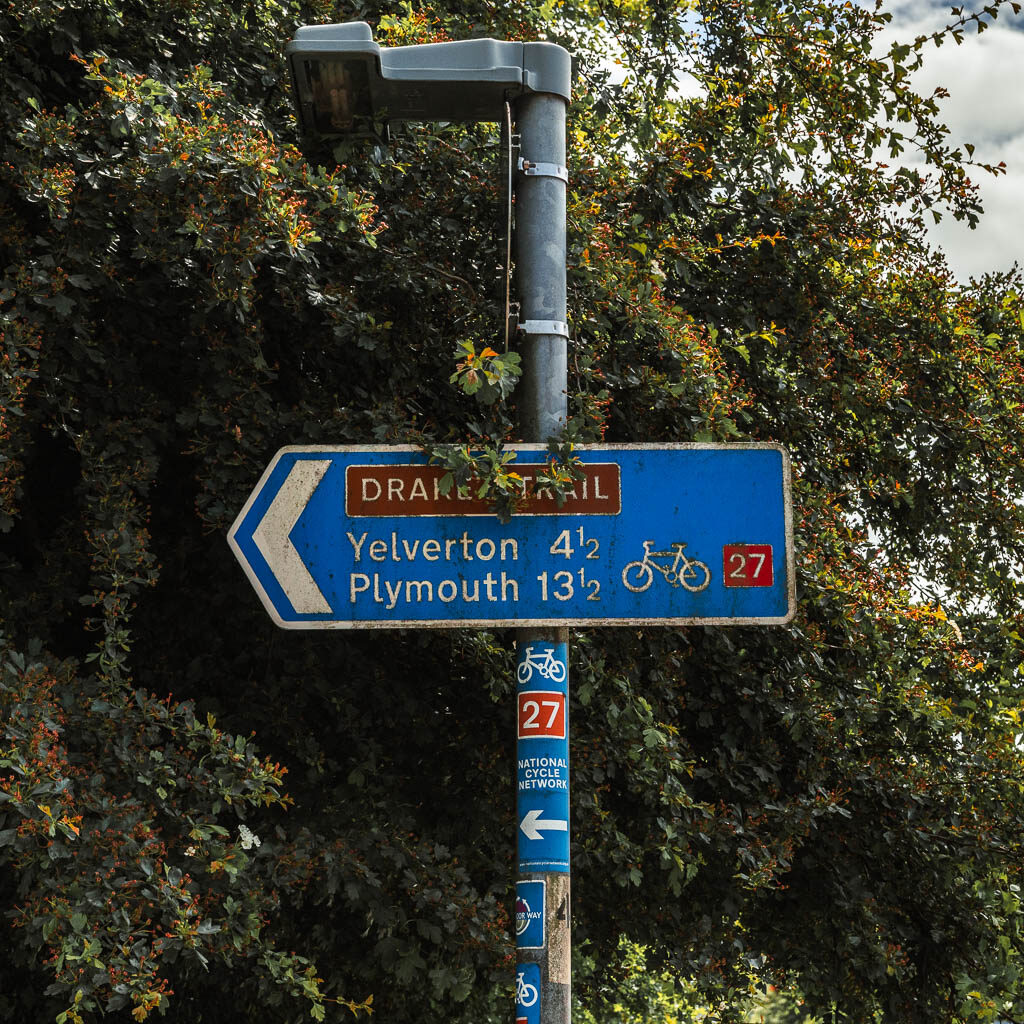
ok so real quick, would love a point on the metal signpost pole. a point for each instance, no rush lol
(543, 962)
(342, 537)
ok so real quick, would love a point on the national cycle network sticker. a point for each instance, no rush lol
(542, 758)
(530, 914)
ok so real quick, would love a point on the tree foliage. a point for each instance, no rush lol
(202, 815)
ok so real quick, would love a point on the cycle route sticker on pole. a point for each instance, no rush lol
(528, 993)
(542, 758)
(529, 916)
(366, 537)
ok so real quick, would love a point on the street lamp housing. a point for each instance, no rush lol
(344, 82)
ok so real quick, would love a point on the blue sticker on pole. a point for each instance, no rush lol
(530, 914)
(542, 758)
(528, 994)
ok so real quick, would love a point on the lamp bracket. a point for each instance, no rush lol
(342, 79)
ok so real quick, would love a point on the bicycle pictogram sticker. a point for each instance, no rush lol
(547, 664)
(689, 573)
(526, 994)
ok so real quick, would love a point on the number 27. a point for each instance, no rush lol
(740, 562)
(532, 710)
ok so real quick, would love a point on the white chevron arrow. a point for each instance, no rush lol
(271, 537)
(533, 825)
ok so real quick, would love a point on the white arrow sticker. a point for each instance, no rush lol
(532, 824)
(271, 537)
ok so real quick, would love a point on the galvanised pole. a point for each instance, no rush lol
(341, 76)
(543, 875)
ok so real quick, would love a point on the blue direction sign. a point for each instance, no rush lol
(343, 537)
(542, 758)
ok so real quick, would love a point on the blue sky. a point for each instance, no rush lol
(985, 79)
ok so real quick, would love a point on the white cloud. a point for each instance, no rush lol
(998, 240)
(985, 79)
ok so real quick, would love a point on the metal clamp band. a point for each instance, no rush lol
(544, 327)
(542, 170)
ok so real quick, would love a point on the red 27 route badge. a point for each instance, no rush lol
(542, 713)
(747, 565)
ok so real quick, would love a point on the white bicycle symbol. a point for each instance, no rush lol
(688, 573)
(546, 664)
(526, 994)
